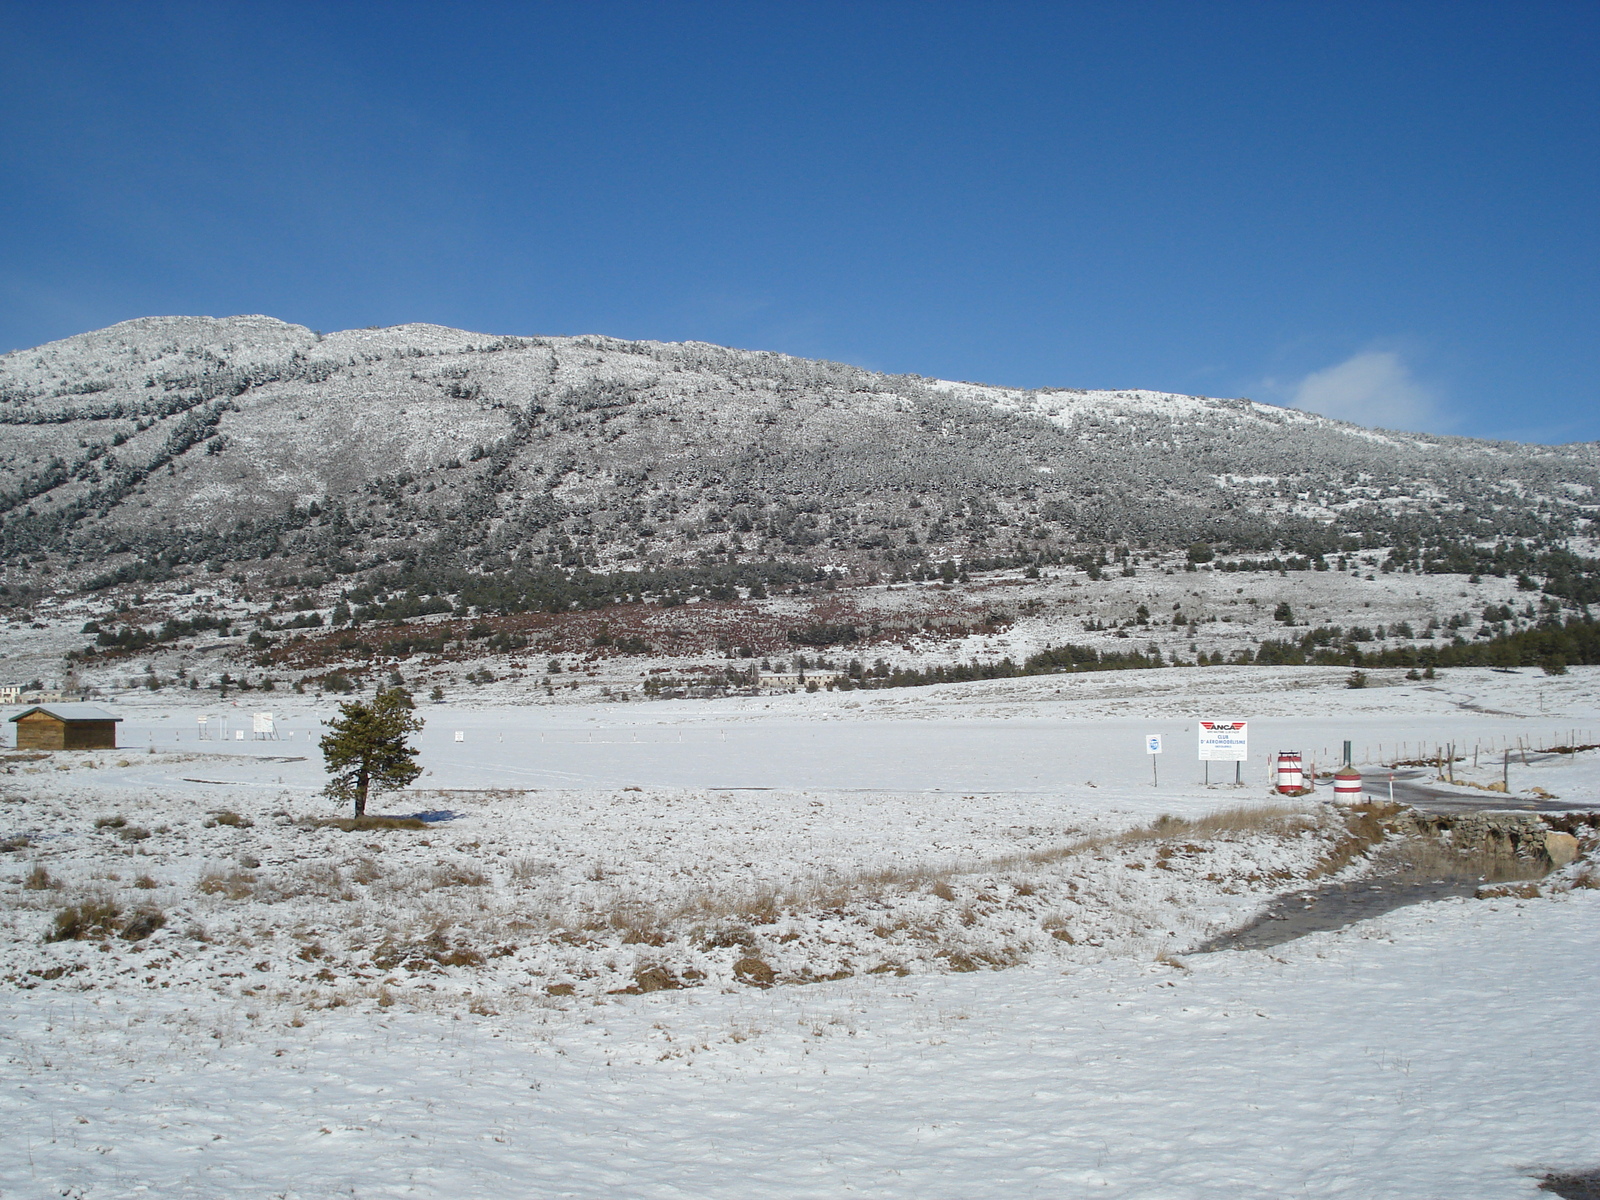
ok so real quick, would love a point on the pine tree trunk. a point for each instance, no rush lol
(361, 794)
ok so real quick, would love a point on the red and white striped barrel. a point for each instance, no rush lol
(1347, 786)
(1291, 775)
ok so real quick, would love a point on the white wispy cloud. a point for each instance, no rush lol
(1374, 387)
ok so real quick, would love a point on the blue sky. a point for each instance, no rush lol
(1382, 211)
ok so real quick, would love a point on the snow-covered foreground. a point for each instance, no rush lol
(558, 989)
(1438, 1052)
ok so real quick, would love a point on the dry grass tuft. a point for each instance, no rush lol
(39, 879)
(85, 920)
(726, 935)
(755, 972)
(454, 875)
(362, 824)
(234, 885)
(99, 917)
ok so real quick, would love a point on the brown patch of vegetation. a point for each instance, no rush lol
(455, 875)
(39, 879)
(97, 918)
(234, 885)
(755, 972)
(725, 936)
(360, 824)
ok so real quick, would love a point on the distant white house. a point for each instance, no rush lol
(10, 693)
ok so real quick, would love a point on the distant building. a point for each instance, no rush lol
(34, 696)
(10, 693)
(66, 727)
(793, 681)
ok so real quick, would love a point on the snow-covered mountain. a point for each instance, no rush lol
(186, 439)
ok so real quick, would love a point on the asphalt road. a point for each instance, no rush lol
(1415, 787)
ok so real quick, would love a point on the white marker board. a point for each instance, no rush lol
(1224, 741)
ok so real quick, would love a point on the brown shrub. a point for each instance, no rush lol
(145, 882)
(39, 880)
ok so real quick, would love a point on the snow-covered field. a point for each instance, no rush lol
(458, 1010)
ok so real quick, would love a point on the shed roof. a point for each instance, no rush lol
(69, 712)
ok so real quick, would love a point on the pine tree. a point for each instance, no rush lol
(366, 747)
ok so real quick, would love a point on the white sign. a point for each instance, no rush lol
(262, 723)
(1152, 744)
(461, 735)
(1224, 741)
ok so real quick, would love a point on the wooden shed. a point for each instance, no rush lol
(66, 727)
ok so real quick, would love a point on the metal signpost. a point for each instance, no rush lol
(1152, 747)
(1225, 741)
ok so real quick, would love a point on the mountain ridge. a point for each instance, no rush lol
(177, 440)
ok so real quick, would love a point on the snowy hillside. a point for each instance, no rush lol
(198, 439)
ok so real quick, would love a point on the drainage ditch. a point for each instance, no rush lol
(1433, 857)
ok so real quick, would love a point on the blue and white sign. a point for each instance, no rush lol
(1152, 743)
